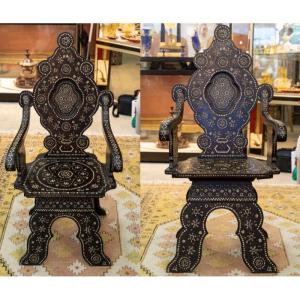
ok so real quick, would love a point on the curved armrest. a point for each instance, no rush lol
(114, 159)
(16, 156)
(276, 129)
(168, 128)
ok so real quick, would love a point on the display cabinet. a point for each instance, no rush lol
(276, 52)
(276, 61)
(22, 47)
(113, 40)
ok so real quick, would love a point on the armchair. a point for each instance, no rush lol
(66, 181)
(222, 92)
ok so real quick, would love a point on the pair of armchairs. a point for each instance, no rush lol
(66, 181)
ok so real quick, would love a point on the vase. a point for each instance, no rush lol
(196, 42)
(146, 41)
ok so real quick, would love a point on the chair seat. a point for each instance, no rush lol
(197, 167)
(65, 177)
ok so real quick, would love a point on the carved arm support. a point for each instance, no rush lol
(16, 155)
(168, 128)
(114, 160)
(276, 130)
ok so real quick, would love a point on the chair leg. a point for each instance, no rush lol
(37, 244)
(253, 238)
(189, 238)
(92, 245)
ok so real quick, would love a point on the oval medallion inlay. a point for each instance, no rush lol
(65, 100)
(222, 93)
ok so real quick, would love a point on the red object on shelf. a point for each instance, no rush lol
(253, 119)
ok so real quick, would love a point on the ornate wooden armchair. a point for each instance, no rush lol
(66, 181)
(222, 92)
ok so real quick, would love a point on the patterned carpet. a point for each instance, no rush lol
(161, 206)
(119, 230)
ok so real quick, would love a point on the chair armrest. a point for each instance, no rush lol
(16, 155)
(168, 128)
(276, 130)
(114, 159)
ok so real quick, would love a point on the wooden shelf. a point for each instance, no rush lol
(167, 66)
(277, 54)
(286, 96)
(167, 72)
(119, 45)
(166, 59)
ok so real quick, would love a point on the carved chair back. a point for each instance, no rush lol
(65, 98)
(222, 92)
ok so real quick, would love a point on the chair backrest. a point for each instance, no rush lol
(66, 98)
(222, 92)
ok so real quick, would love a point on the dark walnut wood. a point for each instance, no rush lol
(66, 181)
(222, 93)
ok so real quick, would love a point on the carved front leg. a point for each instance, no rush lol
(190, 238)
(92, 245)
(38, 241)
(253, 238)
